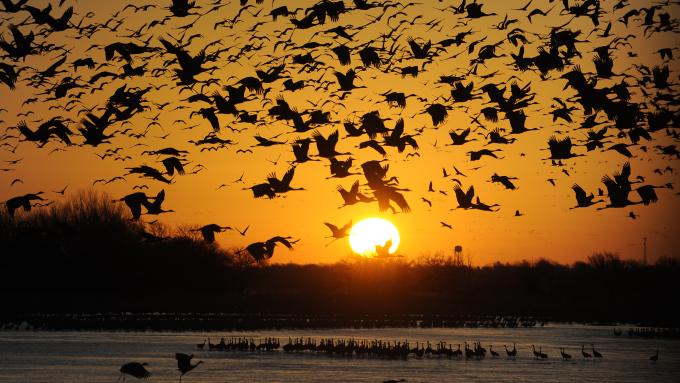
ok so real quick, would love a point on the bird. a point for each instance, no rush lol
(138, 370)
(511, 354)
(583, 199)
(23, 201)
(446, 225)
(464, 198)
(173, 164)
(338, 232)
(62, 191)
(564, 355)
(326, 145)
(184, 363)
(475, 155)
(504, 180)
(244, 231)
(492, 352)
(208, 231)
(155, 206)
(596, 354)
(261, 251)
(585, 354)
(353, 195)
(560, 149)
(282, 185)
(655, 357)
(134, 202)
(459, 138)
(383, 251)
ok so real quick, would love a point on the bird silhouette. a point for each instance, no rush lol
(138, 370)
(338, 232)
(460, 138)
(583, 199)
(353, 195)
(595, 353)
(184, 363)
(564, 355)
(261, 251)
(134, 202)
(655, 357)
(476, 155)
(155, 206)
(464, 198)
(208, 231)
(326, 145)
(383, 251)
(585, 354)
(23, 201)
(244, 231)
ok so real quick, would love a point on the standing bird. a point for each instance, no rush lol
(184, 363)
(595, 353)
(511, 354)
(492, 352)
(585, 354)
(134, 369)
(564, 355)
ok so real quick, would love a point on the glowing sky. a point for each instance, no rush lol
(547, 227)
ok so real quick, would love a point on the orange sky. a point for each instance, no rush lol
(548, 227)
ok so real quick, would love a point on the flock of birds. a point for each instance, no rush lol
(361, 348)
(109, 85)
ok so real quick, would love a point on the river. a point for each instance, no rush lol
(74, 356)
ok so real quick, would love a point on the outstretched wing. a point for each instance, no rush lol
(183, 360)
(398, 129)
(288, 177)
(460, 195)
(373, 144)
(580, 193)
(470, 193)
(334, 229)
(281, 240)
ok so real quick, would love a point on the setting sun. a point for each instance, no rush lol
(372, 232)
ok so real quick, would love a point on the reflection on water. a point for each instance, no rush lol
(97, 356)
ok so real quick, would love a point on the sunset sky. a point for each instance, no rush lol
(547, 227)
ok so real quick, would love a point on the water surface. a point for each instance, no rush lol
(28, 356)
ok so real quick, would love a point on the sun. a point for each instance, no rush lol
(372, 232)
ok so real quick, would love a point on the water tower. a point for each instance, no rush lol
(458, 255)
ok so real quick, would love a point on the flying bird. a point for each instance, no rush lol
(138, 370)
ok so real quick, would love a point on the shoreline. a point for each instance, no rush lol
(210, 322)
